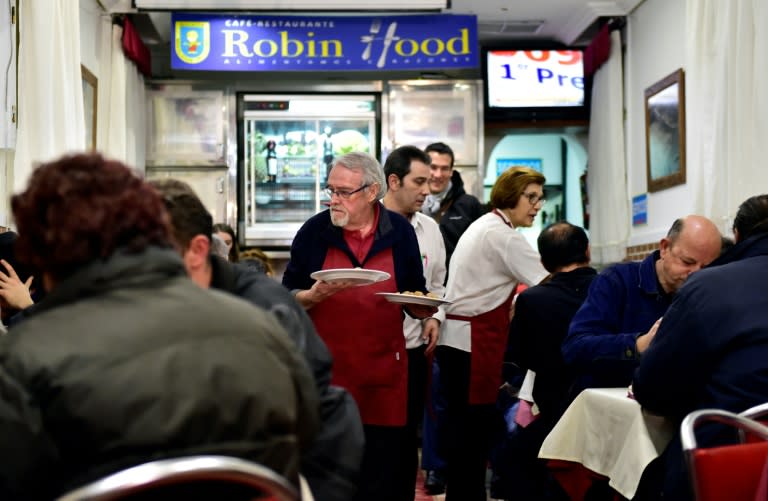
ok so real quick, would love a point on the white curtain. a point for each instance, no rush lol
(50, 105)
(606, 174)
(726, 104)
(7, 102)
(7, 77)
(135, 126)
(123, 110)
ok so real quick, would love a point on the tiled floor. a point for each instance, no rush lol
(421, 495)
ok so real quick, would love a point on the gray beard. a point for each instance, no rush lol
(340, 221)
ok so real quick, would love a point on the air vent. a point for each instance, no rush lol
(509, 28)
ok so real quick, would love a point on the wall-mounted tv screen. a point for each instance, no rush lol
(534, 84)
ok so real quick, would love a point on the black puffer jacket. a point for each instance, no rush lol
(128, 361)
(332, 464)
(457, 211)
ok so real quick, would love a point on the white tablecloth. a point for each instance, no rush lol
(607, 432)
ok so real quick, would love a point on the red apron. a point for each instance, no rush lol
(364, 333)
(489, 333)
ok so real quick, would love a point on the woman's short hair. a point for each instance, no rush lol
(511, 184)
(368, 165)
(82, 208)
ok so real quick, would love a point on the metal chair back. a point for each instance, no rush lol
(730, 472)
(189, 478)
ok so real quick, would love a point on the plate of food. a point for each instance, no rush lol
(358, 276)
(417, 297)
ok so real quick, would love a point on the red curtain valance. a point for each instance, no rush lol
(135, 50)
(598, 51)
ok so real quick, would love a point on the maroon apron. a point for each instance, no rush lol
(364, 333)
(489, 333)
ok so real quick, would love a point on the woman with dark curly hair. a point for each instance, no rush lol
(126, 360)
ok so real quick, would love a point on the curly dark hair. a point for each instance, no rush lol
(81, 208)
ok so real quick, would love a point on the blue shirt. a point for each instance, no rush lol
(712, 347)
(623, 302)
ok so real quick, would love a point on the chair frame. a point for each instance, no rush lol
(693, 420)
(164, 472)
(757, 412)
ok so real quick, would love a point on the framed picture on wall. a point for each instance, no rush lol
(665, 132)
(90, 100)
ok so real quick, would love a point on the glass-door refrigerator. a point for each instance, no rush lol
(286, 146)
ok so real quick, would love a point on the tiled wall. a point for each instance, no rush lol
(639, 252)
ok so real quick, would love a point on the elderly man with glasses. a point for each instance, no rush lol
(363, 331)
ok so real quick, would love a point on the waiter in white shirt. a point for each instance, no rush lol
(490, 260)
(407, 171)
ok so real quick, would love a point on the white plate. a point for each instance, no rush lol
(394, 297)
(358, 276)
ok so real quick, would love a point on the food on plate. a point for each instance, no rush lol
(419, 293)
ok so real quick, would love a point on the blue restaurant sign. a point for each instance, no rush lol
(216, 42)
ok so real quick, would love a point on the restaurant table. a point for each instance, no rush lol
(607, 432)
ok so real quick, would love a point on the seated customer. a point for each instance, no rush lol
(126, 360)
(542, 315)
(332, 462)
(711, 349)
(625, 302)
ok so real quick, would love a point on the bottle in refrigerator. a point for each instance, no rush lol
(271, 162)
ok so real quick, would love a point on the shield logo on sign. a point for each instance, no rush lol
(193, 41)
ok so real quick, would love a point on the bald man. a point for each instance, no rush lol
(626, 301)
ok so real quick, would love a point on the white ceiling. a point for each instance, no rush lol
(563, 21)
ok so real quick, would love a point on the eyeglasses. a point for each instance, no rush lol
(345, 194)
(535, 198)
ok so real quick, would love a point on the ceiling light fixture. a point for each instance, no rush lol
(286, 5)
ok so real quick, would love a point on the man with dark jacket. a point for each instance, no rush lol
(126, 360)
(711, 349)
(448, 203)
(542, 316)
(332, 464)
